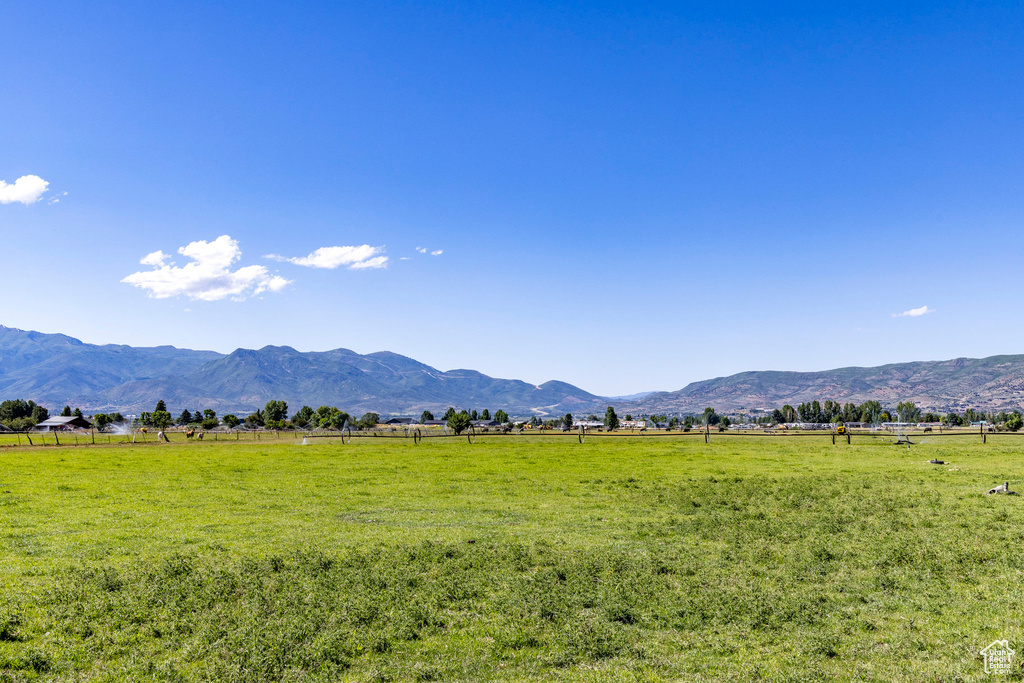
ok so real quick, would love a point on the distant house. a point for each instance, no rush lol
(399, 421)
(485, 423)
(55, 424)
(434, 423)
(587, 424)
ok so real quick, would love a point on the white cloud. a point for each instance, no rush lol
(377, 262)
(355, 258)
(914, 312)
(207, 276)
(422, 250)
(156, 259)
(27, 189)
(437, 253)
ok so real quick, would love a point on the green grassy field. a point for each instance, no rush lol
(515, 558)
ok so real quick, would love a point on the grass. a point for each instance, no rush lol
(516, 558)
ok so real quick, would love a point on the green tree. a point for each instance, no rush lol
(1014, 422)
(161, 419)
(39, 413)
(710, 417)
(908, 411)
(459, 422)
(485, 415)
(426, 416)
(473, 415)
(811, 412)
(19, 409)
(21, 424)
(611, 420)
(303, 416)
(13, 409)
(501, 416)
(331, 418)
(870, 412)
(567, 422)
(275, 411)
(340, 418)
(369, 420)
(448, 413)
(231, 421)
(66, 412)
(185, 418)
(788, 413)
(160, 406)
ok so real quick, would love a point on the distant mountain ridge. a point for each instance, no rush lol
(993, 383)
(54, 370)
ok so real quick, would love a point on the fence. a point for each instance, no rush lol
(417, 434)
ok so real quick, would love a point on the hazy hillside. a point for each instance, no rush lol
(55, 369)
(996, 382)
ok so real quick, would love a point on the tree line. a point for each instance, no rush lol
(20, 415)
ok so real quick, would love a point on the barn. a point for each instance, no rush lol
(55, 424)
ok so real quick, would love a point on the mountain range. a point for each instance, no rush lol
(993, 383)
(56, 370)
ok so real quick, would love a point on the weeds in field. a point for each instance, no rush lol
(524, 564)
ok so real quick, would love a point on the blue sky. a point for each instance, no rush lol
(625, 197)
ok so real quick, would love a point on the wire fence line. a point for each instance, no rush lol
(417, 435)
